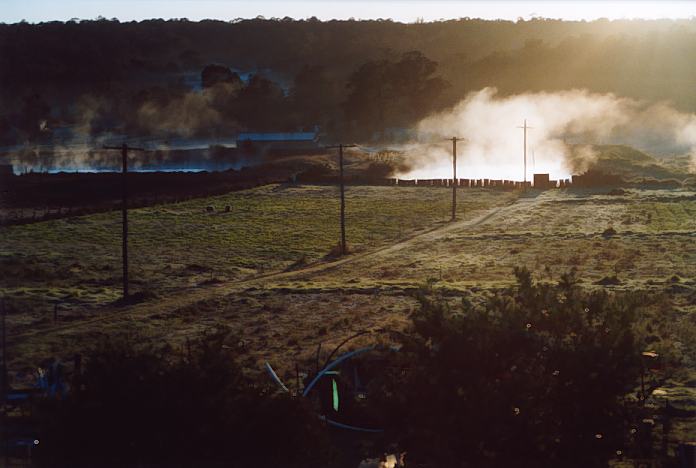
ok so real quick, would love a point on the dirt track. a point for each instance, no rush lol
(115, 314)
(284, 315)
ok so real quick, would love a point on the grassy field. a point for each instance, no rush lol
(260, 270)
(550, 233)
(182, 247)
(76, 261)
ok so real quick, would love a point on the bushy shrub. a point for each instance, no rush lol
(533, 377)
(138, 406)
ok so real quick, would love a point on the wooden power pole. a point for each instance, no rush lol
(344, 248)
(525, 127)
(454, 178)
(4, 384)
(124, 210)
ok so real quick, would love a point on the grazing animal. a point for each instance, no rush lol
(210, 209)
(227, 208)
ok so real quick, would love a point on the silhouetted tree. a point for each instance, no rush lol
(34, 115)
(386, 94)
(215, 74)
(314, 96)
(65, 61)
(261, 105)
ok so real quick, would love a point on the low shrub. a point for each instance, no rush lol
(535, 376)
(609, 232)
(138, 406)
(608, 281)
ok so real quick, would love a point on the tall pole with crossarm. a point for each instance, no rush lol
(525, 127)
(454, 178)
(344, 248)
(124, 210)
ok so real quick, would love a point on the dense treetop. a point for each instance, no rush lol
(59, 65)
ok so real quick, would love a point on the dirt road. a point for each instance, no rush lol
(125, 314)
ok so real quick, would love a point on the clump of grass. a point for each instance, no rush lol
(337, 251)
(609, 232)
(136, 298)
(298, 264)
(211, 280)
(609, 281)
(618, 192)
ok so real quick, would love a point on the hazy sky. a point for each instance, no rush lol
(403, 10)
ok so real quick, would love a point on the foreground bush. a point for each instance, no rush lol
(532, 377)
(142, 407)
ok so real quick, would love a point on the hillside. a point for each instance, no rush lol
(631, 163)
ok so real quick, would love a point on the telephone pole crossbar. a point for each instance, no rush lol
(340, 147)
(124, 209)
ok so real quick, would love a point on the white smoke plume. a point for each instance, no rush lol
(184, 116)
(178, 124)
(560, 121)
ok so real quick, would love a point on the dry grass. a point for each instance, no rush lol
(76, 262)
(283, 317)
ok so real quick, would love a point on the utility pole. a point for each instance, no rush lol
(340, 147)
(525, 127)
(4, 383)
(454, 178)
(3, 372)
(124, 210)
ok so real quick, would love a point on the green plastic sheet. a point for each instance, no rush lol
(335, 394)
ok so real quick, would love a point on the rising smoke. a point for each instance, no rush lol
(188, 115)
(565, 125)
(184, 122)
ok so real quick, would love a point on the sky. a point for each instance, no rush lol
(407, 11)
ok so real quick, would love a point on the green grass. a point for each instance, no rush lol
(660, 216)
(76, 262)
(268, 228)
(551, 234)
(631, 163)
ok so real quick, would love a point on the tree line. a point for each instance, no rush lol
(362, 77)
